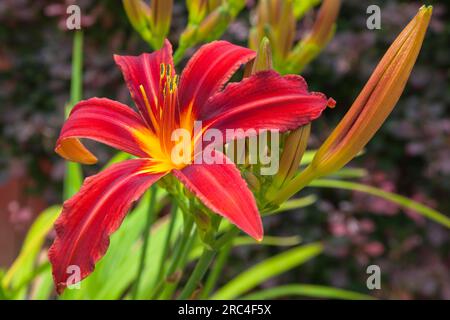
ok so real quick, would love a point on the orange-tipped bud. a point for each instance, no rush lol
(376, 100)
(371, 107)
(161, 17)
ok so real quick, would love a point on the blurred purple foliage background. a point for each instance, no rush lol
(410, 155)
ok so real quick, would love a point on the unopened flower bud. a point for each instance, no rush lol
(376, 100)
(323, 29)
(275, 20)
(263, 59)
(294, 148)
(161, 17)
(371, 107)
(138, 13)
(197, 10)
(252, 181)
(324, 25)
(213, 25)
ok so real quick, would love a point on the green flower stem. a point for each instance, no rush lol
(180, 247)
(205, 260)
(151, 216)
(173, 217)
(294, 186)
(182, 244)
(173, 284)
(198, 273)
(73, 177)
(216, 270)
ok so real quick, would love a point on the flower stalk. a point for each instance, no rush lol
(151, 216)
(73, 176)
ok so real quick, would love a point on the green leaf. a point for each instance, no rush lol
(307, 290)
(309, 156)
(74, 175)
(349, 173)
(389, 196)
(295, 204)
(267, 269)
(3, 293)
(23, 267)
(269, 241)
(247, 241)
(43, 286)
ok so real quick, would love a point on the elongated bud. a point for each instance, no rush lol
(286, 29)
(275, 20)
(197, 10)
(371, 107)
(213, 25)
(213, 4)
(161, 17)
(187, 38)
(235, 6)
(252, 181)
(294, 148)
(138, 13)
(376, 100)
(263, 59)
(323, 30)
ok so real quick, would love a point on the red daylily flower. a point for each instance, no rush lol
(265, 100)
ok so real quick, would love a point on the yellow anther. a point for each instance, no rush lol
(149, 109)
(162, 69)
(173, 84)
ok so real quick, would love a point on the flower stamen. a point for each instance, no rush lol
(149, 109)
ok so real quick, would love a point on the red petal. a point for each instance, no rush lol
(264, 101)
(208, 70)
(103, 120)
(93, 214)
(221, 188)
(145, 70)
